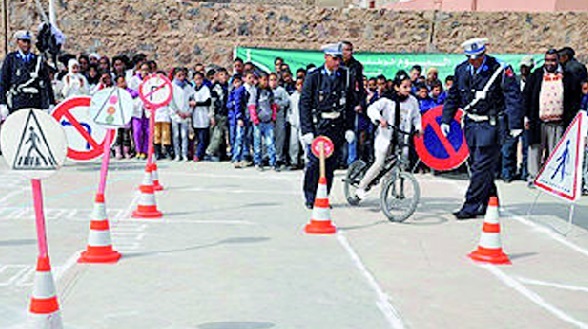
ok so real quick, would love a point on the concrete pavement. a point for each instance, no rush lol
(230, 253)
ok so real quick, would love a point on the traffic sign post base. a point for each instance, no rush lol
(44, 307)
(147, 207)
(156, 185)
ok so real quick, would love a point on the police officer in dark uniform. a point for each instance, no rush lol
(24, 79)
(489, 93)
(326, 109)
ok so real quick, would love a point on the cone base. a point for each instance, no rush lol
(500, 258)
(50, 321)
(102, 258)
(151, 214)
(318, 227)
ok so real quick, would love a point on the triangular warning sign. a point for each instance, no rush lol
(33, 151)
(562, 173)
(110, 111)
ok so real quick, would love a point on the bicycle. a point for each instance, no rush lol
(400, 192)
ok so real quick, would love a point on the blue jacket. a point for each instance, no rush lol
(237, 105)
(426, 104)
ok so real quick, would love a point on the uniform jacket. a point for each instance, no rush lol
(15, 72)
(503, 96)
(321, 93)
(572, 99)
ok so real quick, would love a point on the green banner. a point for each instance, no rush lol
(374, 63)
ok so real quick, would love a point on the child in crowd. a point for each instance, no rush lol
(74, 82)
(122, 146)
(437, 94)
(282, 99)
(399, 105)
(181, 113)
(140, 120)
(294, 121)
(201, 115)
(262, 110)
(425, 101)
(162, 141)
(237, 106)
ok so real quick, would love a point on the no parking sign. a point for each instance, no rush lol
(85, 138)
(437, 151)
(156, 91)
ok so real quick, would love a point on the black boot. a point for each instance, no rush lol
(157, 151)
(169, 152)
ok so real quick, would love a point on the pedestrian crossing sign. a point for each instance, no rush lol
(561, 174)
(34, 143)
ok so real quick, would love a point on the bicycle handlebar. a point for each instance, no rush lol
(397, 129)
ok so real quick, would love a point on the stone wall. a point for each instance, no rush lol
(185, 32)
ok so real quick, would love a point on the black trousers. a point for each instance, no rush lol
(311, 176)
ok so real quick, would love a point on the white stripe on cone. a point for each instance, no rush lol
(99, 238)
(44, 287)
(147, 179)
(147, 199)
(492, 215)
(321, 214)
(45, 321)
(490, 241)
(321, 192)
(99, 212)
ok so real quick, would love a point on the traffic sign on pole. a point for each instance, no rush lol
(85, 138)
(437, 151)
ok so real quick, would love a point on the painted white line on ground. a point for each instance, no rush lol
(10, 195)
(21, 270)
(392, 315)
(532, 296)
(61, 270)
(539, 228)
(557, 237)
(550, 284)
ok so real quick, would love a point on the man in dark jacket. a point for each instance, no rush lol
(24, 79)
(571, 64)
(552, 98)
(358, 99)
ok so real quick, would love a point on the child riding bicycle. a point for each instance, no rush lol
(397, 109)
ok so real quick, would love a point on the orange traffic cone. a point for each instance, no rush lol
(320, 223)
(490, 247)
(44, 308)
(99, 244)
(155, 176)
(147, 207)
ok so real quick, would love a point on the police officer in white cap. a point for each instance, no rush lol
(490, 96)
(326, 108)
(24, 79)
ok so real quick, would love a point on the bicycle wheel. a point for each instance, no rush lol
(355, 173)
(400, 196)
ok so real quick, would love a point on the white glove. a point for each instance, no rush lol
(3, 112)
(515, 132)
(308, 138)
(445, 129)
(350, 136)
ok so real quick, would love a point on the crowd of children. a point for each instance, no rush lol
(245, 116)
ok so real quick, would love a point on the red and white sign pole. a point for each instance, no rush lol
(35, 146)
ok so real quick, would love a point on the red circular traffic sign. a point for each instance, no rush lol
(74, 113)
(437, 151)
(156, 91)
(328, 146)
